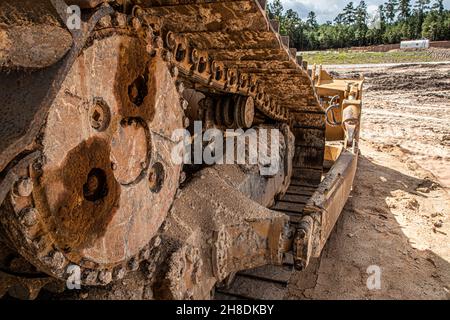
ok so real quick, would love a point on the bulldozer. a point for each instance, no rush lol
(91, 93)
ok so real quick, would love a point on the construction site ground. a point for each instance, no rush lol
(398, 215)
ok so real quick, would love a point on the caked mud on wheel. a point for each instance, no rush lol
(88, 177)
(104, 181)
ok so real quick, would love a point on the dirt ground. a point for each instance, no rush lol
(398, 215)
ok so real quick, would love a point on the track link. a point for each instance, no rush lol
(250, 58)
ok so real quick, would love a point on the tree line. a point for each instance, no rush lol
(394, 21)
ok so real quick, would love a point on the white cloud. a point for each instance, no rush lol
(329, 9)
(325, 9)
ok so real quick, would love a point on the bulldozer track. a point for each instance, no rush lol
(277, 69)
(248, 58)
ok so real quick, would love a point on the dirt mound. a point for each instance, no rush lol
(409, 81)
(440, 53)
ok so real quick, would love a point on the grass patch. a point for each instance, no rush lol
(348, 57)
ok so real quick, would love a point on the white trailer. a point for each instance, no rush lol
(415, 44)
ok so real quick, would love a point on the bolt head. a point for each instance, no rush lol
(90, 276)
(180, 87)
(174, 71)
(157, 241)
(184, 104)
(299, 265)
(24, 187)
(137, 25)
(301, 234)
(29, 216)
(105, 276)
(119, 273)
(55, 260)
(182, 177)
(165, 226)
(133, 264)
(145, 254)
(186, 122)
(158, 43)
(105, 22)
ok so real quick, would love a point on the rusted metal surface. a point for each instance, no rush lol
(24, 288)
(90, 205)
(210, 16)
(87, 177)
(38, 46)
(28, 96)
(12, 177)
(323, 209)
(313, 212)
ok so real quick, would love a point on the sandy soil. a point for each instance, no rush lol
(398, 215)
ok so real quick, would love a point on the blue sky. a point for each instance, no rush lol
(329, 9)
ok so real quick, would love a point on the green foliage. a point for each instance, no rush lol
(348, 57)
(395, 21)
(436, 26)
(404, 9)
(391, 9)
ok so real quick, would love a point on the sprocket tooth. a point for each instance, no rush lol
(305, 65)
(263, 4)
(293, 52)
(105, 22)
(285, 40)
(275, 24)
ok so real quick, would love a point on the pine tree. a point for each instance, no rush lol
(290, 23)
(404, 8)
(391, 10)
(361, 22)
(275, 10)
(382, 13)
(439, 6)
(353, 27)
(431, 27)
(339, 18)
(361, 13)
(382, 25)
(420, 8)
(312, 20)
(349, 14)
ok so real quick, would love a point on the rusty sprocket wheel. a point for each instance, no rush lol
(105, 182)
